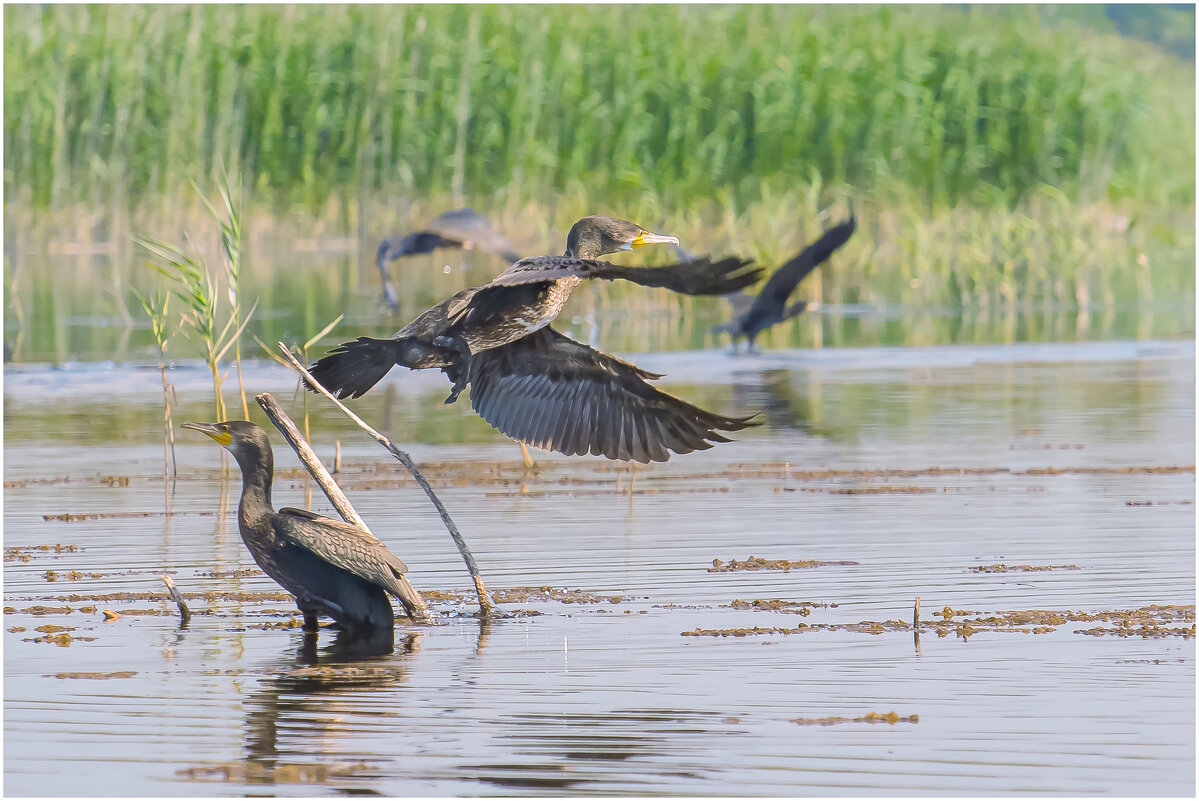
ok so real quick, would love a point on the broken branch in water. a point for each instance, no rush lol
(184, 613)
(414, 605)
(486, 605)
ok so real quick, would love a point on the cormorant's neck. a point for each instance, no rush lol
(257, 471)
(586, 245)
(586, 251)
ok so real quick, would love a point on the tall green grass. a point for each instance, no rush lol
(318, 105)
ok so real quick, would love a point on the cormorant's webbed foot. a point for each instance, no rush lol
(456, 371)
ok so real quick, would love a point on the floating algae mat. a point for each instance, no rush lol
(1148, 622)
(1053, 554)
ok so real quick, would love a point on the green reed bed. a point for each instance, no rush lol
(995, 161)
(120, 104)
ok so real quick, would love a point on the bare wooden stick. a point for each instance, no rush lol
(337, 459)
(916, 625)
(184, 613)
(413, 604)
(486, 604)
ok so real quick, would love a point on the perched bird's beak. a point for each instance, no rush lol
(221, 436)
(646, 238)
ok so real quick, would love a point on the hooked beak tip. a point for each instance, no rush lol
(646, 238)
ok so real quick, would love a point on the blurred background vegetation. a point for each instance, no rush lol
(996, 154)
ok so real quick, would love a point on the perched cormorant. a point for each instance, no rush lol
(460, 228)
(753, 315)
(333, 568)
(535, 384)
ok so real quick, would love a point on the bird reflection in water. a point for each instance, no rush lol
(773, 392)
(565, 750)
(300, 707)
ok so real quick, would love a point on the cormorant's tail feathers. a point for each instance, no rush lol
(352, 368)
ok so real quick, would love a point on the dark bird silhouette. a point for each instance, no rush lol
(332, 568)
(460, 228)
(753, 315)
(529, 378)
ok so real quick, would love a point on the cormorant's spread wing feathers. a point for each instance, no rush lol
(468, 226)
(770, 301)
(341, 544)
(740, 301)
(551, 392)
(698, 277)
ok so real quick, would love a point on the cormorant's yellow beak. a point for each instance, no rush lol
(646, 238)
(214, 430)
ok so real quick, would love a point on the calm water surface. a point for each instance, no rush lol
(611, 697)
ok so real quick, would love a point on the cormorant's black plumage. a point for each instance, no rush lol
(460, 334)
(769, 307)
(460, 228)
(333, 568)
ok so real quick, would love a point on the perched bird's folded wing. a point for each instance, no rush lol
(341, 544)
(551, 392)
(698, 277)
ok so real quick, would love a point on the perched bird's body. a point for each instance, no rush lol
(331, 567)
(479, 331)
(753, 315)
(460, 228)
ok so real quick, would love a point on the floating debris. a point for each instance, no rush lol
(1145, 630)
(290, 623)
(258, 772)
(119, 674)
(582, 493)
(873, 717)
(110, 615)
(39, 610)
(242, 572)
(23, 553)
(886, 490)
(756, 563)
(563, 595)
(746, 632)
(1058, 471)
(59, 635)
(1001, 568)
(802, 608)
(72, 517)
(1149, 622)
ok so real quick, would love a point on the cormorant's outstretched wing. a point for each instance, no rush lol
(770, 301)
(343, 545)
(698, 277)
(740, 301)
(468, 226)
(551, 392)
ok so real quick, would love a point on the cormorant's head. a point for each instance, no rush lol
(597, 235)
(241, 438)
